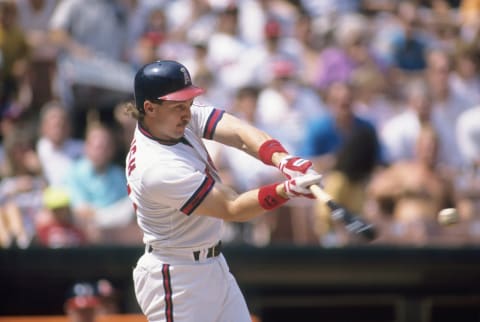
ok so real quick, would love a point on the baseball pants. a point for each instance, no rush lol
(175, 287)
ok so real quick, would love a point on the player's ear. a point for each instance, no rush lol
(148, 106)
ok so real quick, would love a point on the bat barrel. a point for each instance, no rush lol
(352, 223)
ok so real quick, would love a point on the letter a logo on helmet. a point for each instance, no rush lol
(186, 75)
(164, 80)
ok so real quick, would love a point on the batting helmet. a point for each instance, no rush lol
(164, 80)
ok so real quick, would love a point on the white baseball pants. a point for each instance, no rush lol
(175, 288)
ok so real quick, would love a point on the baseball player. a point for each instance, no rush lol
(181, 202)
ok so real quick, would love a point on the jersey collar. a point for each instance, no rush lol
(149, 135)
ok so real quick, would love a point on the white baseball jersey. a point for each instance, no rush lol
(167, 182)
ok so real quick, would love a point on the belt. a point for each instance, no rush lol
(213, 251)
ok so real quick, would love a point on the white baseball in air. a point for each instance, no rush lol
(448, 216)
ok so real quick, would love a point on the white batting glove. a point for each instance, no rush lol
(293, 167)
(298, 187)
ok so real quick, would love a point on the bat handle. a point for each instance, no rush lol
(320, 194)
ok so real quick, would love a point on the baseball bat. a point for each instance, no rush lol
(353, 223)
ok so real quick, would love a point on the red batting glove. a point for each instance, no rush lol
(293, 167)
(299, 187)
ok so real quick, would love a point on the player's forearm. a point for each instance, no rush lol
(248, 138)
(224, 203)
(239, 134)
(251, 141)
(248, 206)
(242, 135)
(269, 197)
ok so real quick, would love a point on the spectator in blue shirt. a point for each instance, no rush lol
(98, 190)
(326, 134)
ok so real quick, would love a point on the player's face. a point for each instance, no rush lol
(172, 117)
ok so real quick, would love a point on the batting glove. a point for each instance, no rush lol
(298, 187)
(293, 167)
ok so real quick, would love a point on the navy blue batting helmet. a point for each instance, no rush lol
(164, 80)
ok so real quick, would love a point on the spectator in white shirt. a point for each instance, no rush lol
(447, 106)
(56, 149)
(399, 134)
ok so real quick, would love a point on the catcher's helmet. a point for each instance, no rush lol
(164, 80)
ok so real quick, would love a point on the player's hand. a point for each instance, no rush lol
(298, 187)
(293, 167)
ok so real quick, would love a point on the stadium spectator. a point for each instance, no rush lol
(34, 17)
(373, 101)
(410, 44)
(254, 15)
(399, 134)
(189, 19)
(467, 180)
(465, 76)
(288, 102)
(151, 37)
(92, 70)
(468, 136)
(416, 190)
(447, 106)
(15, 91)
(21, 186)
(56, 149)
(55, 226)
(98, 191)
(443, 24)
(138, 12)
(350, 50)
(325, 135)
(304, 45)
(225, 49)
(257, 60)
(203, 75)
(469, 11)
(355, 162)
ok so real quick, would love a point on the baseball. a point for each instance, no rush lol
(448, 216)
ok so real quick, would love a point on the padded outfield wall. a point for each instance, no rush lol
(281, 283)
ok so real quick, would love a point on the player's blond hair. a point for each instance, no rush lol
(132, 111)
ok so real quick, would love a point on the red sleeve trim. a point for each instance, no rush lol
(212, 122)
(200, 194)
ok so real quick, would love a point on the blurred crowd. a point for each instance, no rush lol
(383, 96)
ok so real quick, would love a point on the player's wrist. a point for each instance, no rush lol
(272, 196)
(271, 152)
(279, 157)
(281, 191)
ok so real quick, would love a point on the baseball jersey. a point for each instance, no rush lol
(166, 183)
